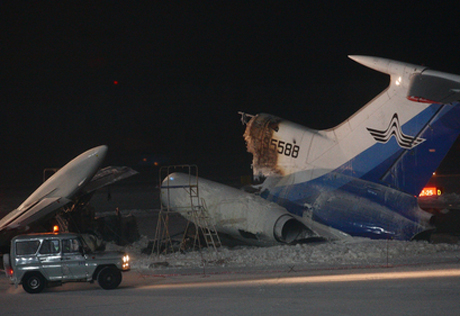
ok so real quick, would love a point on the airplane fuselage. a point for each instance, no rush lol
(362, 177)
(354, 206)
(362, 180)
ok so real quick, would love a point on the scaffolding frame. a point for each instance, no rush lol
(197, 210)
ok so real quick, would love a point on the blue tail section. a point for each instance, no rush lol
(413, 168)
(405, 169)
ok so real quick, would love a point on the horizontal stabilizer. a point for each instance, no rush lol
(387, 66)
(422, 84)
(434, 87)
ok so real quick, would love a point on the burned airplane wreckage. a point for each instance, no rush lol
(360, 178)
(63, 199)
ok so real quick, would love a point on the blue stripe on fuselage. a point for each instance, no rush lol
(409, 170)
(358, 198)
(355, 206)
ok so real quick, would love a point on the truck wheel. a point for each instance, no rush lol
(109, 278)
(33, 283)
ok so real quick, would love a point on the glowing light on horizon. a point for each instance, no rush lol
(430, 191)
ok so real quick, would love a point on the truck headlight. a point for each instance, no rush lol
(125, 261)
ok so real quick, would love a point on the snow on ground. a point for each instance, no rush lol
(357, 252)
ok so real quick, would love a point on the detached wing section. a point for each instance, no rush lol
(62, 186)
(47, 206)
(107, 176)
(40, 210)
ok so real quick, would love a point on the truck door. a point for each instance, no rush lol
(73, 262)
(49, 257)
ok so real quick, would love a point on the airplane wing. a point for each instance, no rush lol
(107, 176)
(40, 210)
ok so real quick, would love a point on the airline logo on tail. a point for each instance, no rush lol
(394, 129)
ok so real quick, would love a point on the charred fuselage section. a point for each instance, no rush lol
(258, 135)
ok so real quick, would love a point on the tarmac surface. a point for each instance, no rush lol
(408, 290)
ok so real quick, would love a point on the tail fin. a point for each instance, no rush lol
(401, 137)
(398, 139)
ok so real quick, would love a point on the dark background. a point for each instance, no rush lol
(168, 78)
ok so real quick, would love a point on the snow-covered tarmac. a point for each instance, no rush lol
(348, 253)
(354, 253)
(356, 276)
(410, 290)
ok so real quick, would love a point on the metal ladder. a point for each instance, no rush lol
(197, 210)
(207, 229)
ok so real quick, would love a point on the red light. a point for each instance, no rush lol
(430, 191)
(115, 82)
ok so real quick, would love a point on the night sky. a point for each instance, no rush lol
(169, 77)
